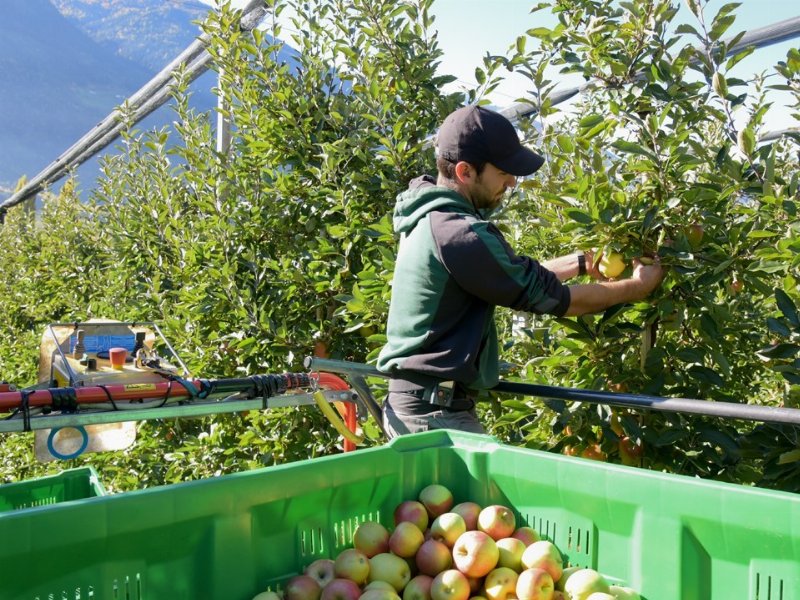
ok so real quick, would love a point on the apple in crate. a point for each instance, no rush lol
(601, 596)
(341, 589)
(624, 593)
(469, 511)
(391, 569)
(352, 564)
(371, 538)
(322, 570)
(535, 584)
(419, 588)
(450, 585)
(475, 554)
(498, 521)
(433, 557)
(583, 583)
(565, 574)
(302, 587)
(406, 539)
(375, 594)
(268, 595)
(447, 528)
(500, 583)
(437, 499)
(511, 550)
(526, 534)
(544, 555)
(379, 585)
(413, 511)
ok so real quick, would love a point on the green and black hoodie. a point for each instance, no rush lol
(453, 267)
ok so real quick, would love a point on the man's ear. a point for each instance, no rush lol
(464, 172)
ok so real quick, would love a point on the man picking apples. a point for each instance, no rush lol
(454, 267)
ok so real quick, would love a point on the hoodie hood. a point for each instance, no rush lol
(424, 196)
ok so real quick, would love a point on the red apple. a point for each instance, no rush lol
(535, 584)
(412, 511)
(447, 527)
(437, 500)
(544, 555)
(450, 585)
(528, 535)
(500, 584)
(511, 550)
(419, 588)
(498, 521)
(322, 570)
(302, 587)
(475, 554)
(341, 589)
(469, 511)
(583, 583)
(406, 539)
(391, 569)
(371, 538)
(352, 564)
(433, 557)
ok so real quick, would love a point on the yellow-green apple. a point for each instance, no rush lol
(511, 550)
(268, 595)
(564, 576)
(469, 511)
(535, 584)
(322, 570)
(341, 589)
(433, 557)
(437, 499)
(352, 564)
(611, 264)
(601, 596)
(406, 539)
(500, 583)
(450, 585)
(379, 585)
(302, 587)
(544, 555)
(413, 511)
(391, 569)
(498, 521)
(447, 528)
(475, 553)
(624, 593)
(583, 583)
(419, 588)
(374, 594)
(371, 538)
(528, 535)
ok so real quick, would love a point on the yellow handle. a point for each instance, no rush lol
(337, 423)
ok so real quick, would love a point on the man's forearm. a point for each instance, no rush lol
(595, 297)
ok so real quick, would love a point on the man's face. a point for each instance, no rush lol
(489, 188)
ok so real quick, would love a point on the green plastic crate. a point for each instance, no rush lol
(673, 538)
(70, 484)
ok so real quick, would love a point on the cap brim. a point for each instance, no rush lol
(523, 162)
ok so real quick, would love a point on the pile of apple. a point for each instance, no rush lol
(438, 551)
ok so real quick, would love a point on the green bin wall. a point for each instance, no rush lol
(70, 484)
(673, 538)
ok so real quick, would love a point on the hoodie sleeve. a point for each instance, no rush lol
(480, 260)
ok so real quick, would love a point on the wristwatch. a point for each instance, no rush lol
(581, 264)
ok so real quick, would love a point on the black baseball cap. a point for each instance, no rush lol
(476, 134)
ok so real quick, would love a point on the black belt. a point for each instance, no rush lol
(462, 398)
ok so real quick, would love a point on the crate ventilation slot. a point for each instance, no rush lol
(126, 589)
(311, 542)
(768, 588)
(544, 527)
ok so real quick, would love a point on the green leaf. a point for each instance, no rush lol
(783, 350)
(787, 307)
(633, 148)
(590, 121)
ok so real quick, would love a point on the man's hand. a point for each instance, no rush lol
(592, 264)
(647, 276)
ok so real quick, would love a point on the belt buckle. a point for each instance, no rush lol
(441, 393)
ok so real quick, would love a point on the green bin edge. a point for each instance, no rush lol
(70, 484)
(671, 537)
